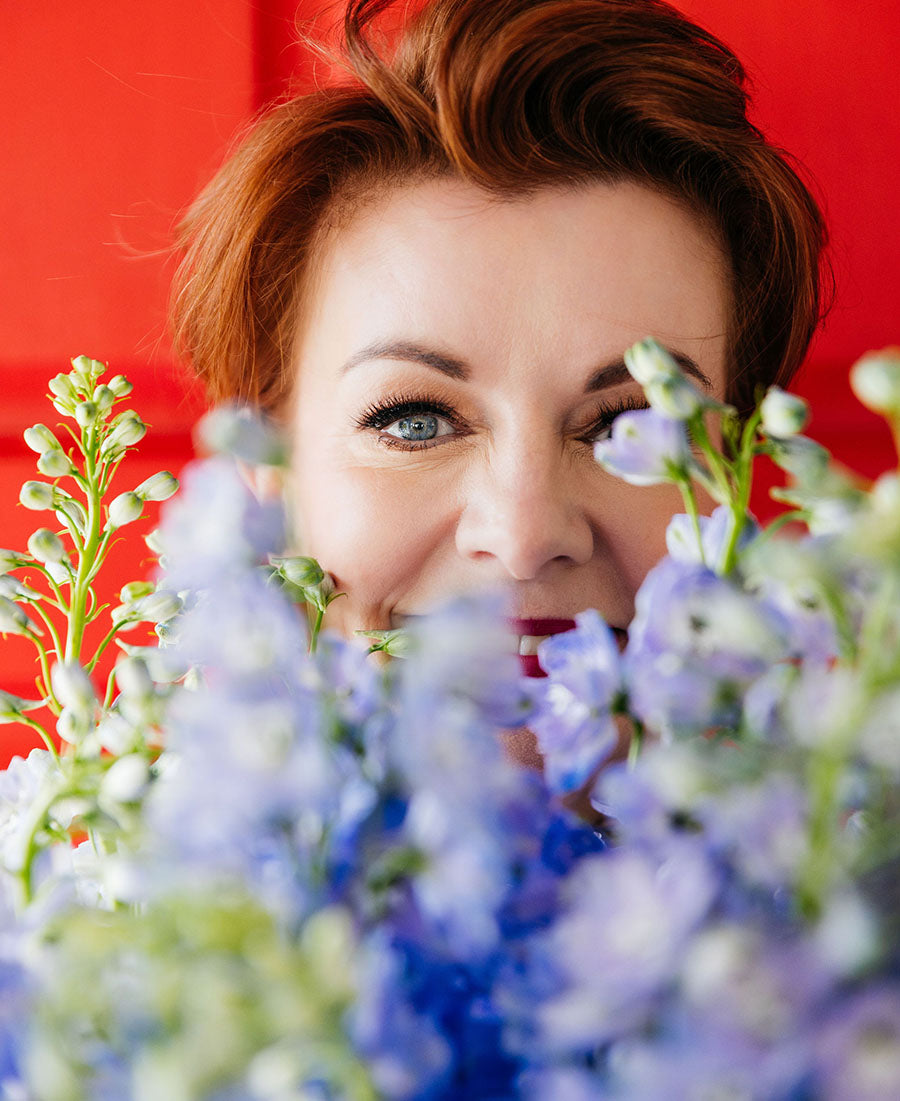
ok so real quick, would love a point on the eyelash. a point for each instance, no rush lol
(379, 415)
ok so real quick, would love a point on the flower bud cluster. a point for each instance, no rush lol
(668, 390)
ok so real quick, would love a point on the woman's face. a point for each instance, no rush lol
(458, 359)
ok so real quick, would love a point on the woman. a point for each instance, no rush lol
(431, 273)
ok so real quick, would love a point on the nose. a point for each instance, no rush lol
(526, 509)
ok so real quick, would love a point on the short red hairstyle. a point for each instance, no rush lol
(513, 96)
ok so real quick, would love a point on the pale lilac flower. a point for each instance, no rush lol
(715, 532)
(574, 722)
(696, 644)
(629, 920)
(646, 448)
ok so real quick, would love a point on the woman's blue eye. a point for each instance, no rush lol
(418, 427)
(423, 426)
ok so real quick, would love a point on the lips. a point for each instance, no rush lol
(530, 633)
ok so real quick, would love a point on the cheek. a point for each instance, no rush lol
(374, 530)
(634, 525)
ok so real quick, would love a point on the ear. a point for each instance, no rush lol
(266, 482)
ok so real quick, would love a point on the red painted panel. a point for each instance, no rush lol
(116, 113)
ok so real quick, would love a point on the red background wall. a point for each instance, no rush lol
(117, 113)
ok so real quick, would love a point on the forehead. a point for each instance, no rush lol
(563, 271)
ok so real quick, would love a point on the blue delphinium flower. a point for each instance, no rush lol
(574, 723)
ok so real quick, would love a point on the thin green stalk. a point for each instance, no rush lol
(59, 600)
(717, 465)
(86, 559)
(45, 673)
(690, 503)
(51, 630)
(71, 528)
(314, 630)
(98, 653)
(26, 720)
(636, 743)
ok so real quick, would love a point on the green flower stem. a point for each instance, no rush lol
(826, 769)
(100, 554)
(874, 638)
(636, 743)
(109, 472)
(690, 503)
(848, 647)
(26, 720)
(59, 602)
(45, 674)
(795, 515)
(717, 464)
(315, 628)
(51, 630)
(87, 558)
(110, 687)
(98, 653)
(71, 528)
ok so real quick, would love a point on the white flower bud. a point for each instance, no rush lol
(884, 496)
(58, 572)
(64, 389)
(73, 725)
(40, 439)
(300, 570)
(126, 780)
(11, 560)
(158, 487)
(876, 381)
(783, 414)
(70, 509)
(133, 678)
(46, 546)
(104, 398)
(124, 509)
(134, 590)
(801, 457)
(12, 588)
(120, 386)
(156, 608)
(674, 396)
(55, 464)
(160, 607)
(646, 360)
(37, 495)
(86, 413)
(14, 621)
(126, 430)
(12, 707)
(72, 686)
(153, 539)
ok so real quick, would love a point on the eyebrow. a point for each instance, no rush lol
(610, 374)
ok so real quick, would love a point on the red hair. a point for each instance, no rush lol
(510, 95)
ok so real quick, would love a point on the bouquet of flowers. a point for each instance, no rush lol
(259, 864)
